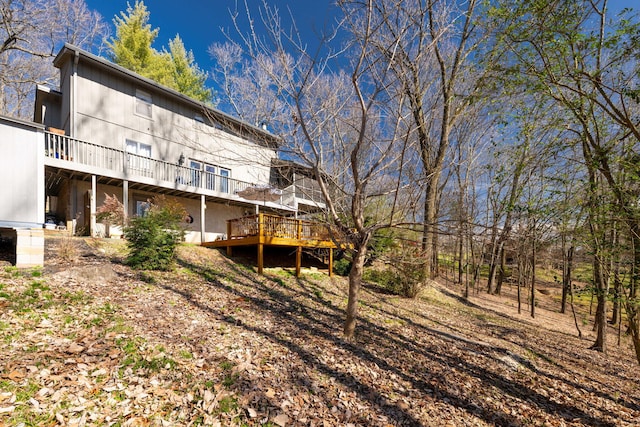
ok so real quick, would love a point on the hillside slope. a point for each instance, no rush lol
(92, 342)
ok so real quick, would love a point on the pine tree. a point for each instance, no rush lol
(132, 49)
(188, 77)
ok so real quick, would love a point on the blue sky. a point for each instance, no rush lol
(199, 22)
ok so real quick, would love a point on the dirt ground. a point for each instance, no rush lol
(88, 341)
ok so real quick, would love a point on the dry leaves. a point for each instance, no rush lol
(214, 344)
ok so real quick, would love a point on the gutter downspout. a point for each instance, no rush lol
(74, 91)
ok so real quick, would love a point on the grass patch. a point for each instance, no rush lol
(35, 297)
(536, 355)
(279, 281)
(12, 271)
(228, 404)
(77, 297)
(136, 360)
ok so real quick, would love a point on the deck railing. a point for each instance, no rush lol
(275, 226)
(132, 165)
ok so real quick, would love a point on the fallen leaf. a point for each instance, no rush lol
(281, 420)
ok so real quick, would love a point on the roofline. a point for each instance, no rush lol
(69, 49)
(21, 122)
(47, 89)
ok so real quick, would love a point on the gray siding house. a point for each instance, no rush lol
(109, 131)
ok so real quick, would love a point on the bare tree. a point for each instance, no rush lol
(343, 125)
(428, 44)
(31, 32)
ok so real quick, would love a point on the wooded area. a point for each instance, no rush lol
(502, 129)
(483, 138)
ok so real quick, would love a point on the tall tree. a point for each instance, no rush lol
(31, 32)
(587, 64)
(343, 125)
(188, 77)
(428, 45)
(132, 48)
(132, 45)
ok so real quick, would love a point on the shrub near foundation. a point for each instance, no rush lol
(152, 238)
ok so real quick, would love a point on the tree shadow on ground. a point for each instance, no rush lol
(307, 318)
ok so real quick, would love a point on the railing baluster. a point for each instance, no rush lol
(85, 153)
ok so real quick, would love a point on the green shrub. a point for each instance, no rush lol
(382, 243)
(342, 267)
(387, 279)
(152, 239)
(404, 274)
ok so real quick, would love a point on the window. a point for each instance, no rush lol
(210, 177)
(214, 177)
(195, 173)
(138, 157)
(143, 103)
(224, 180)
(198, 118)
(142, 207)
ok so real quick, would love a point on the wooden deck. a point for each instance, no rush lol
(269, 230)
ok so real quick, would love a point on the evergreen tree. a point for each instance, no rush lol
(188, 77)
(132, 49)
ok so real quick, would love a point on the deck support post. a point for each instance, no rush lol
(92, 206)
(298, 260)
(260, 244)
(260, 258)
(125, 199)
(330, 262)
(203, 208)
(229, 251)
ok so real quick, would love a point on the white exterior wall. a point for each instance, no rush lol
(105, 115)
(21, 173)
(216, 214)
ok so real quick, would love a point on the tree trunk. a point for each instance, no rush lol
(601, 309)
(355, 281)
(501, 272)
(493, 266)
(520, 275)
(533, 275)
(566, 277)
(617, 294)
(461, 266)
(429, 231)
(632, 303)
(573, 309)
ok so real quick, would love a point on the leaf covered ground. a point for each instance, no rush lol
(88, 341)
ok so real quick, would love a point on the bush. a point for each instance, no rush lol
(112, 211)
(152, 239)
(67, 249)
(342, 267)
(387, 279)
(405, 273)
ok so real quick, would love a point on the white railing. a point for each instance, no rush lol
(132, 165)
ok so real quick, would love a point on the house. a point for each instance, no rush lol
(109, 131)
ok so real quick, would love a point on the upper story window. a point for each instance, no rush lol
(144, 103)
(199, 118)
(209, 176)
(138, 157)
